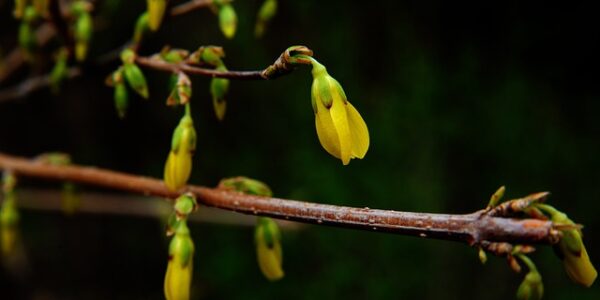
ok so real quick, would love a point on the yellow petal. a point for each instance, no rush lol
(169, 173)
(359, 131)
(326, 130)
(340, 121)
(269, 261)
(580, 268)
(178, 280)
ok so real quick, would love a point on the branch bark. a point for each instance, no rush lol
(474, 229)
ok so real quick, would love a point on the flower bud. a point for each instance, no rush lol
(181, 92)
(268, 248)
(185, 205)
(59, 71)
(210, 55)
(82, 35)
(571, 249)
(156, 11)
(218, 90)
(532, 287)
(227, 20)
(141, 27)
(178, 277)
(133, 74)
(266, 12)
(179, 163)
(340, 128)
(246, 185)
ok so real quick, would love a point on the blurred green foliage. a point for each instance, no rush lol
(460, 98)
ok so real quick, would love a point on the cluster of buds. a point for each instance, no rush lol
(183, 145)
(266, 12)
(178, 277)
(132, 74)
(267, 237)
(156, 11)
(9, 216)
(83, 28)
(227, 17)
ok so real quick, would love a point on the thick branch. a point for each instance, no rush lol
(471, 228)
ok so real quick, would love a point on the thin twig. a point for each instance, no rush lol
(473, 228)
(161, 65)
(189, 6)
(33, 84)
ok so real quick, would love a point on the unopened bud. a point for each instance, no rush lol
(82, 35)
(184, 205)
(141, 27)
(156, 11)
(218, 90)
(266, 12)
(178, 277)
(179, 163)
(59, 71)
(532, 287)
(133, 74)
(246, 185)
(181, 92)
(227, 20)
(267, 238)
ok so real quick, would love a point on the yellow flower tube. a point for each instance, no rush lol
(178, 278)
(268, 248)
(179, 163)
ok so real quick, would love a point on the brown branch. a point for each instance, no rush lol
(473, 228)
(162, 65)
(32, 84)
(189, 6)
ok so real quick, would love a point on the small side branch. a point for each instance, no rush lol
(161, 65)
(472, 229)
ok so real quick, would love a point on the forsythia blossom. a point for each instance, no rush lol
(179, 163)
(341, 129)
(180, 267)
(268, 248)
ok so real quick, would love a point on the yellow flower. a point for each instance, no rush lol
(341, 129)
(179, 163)
(178, 278)
(268, 248)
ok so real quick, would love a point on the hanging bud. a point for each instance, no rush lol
(266, 12)
(185, 205)
(571, 249)
(227, 20)
(83, 28)
(9, 216)
(268, 248)
(59, 71)
(179, 163)
(340, 128)
(218, 90)
(532, 287)
(133, 74)
(181, 92)
(19, 10)
(178, 277)
(70, 198)
(156, 11)
(121, 95)
(246, 185)
(141, 27)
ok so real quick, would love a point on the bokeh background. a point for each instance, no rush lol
(459, 97)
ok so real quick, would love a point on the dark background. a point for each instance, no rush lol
(459, 97)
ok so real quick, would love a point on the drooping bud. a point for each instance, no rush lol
(268, 248)
(83, 28)
(246, 185)
(218, 90)
(340, 128)
(179, 163)
(227, 19)
(571, 249)
(141, 27)
(532, 287)
(121, 95)
(156, 11)
(181, 92)
(266, 12)
(70, 198)
(59, 71)
(178, 277)
(133, 74)
(9, 216)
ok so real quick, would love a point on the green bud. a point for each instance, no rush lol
(496, 197)
(210, 55)
(156, 11)
(246, 185)
(128, 56)
(27, 40)
(181, 92)
(183, 145)
(82, 35)
(532, 287)
(80, 7)
(173, 55)
(184, 205)
(136, 80)
(20, 6)
(267, 239)
(227, 20)
(178, 277)
(59, 71)
(266, 12)
(141, 27)
(121, 98)
(218, 90)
